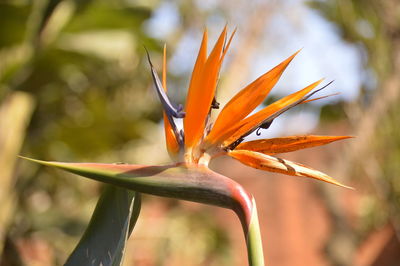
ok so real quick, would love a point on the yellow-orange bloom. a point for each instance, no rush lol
(201, 140)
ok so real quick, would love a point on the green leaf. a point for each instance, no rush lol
(114, 217)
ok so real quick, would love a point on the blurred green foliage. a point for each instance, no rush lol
(83, 63)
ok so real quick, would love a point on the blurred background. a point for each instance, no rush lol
(75, 86)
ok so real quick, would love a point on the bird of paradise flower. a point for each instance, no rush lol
(201, 140)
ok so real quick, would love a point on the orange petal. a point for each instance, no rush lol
(198, 67)
(201, 92)
(287, 144)
(164, 70)
(256, 119)
(246, 100)
(268, 163)
(170, 138)
(194, 87)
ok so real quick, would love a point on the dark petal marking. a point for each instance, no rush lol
(265, 125)
(215, 104)
(311, 94)
(181, 137)
(233, 145)
(168, 106)
(180, 109)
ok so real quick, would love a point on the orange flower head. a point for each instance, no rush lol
(202, 139)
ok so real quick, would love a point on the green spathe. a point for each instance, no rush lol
(190, 182)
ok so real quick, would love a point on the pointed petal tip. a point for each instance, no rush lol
(273, 164)
(346, 137)
(348, 187)
(329, 83)
(222, 36)
(334, 138)
(287, 61)
(233, 33)
(27, 158)
(48, 163)
(337, 183)
(290, 58)
(294, 54)
(287, 144)
(320, 98)
(205, 33)
(318, 81)
(148, 55)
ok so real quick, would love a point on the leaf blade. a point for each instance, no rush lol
(103, 242)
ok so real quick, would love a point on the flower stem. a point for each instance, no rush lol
(253, 240)
(246, 210)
